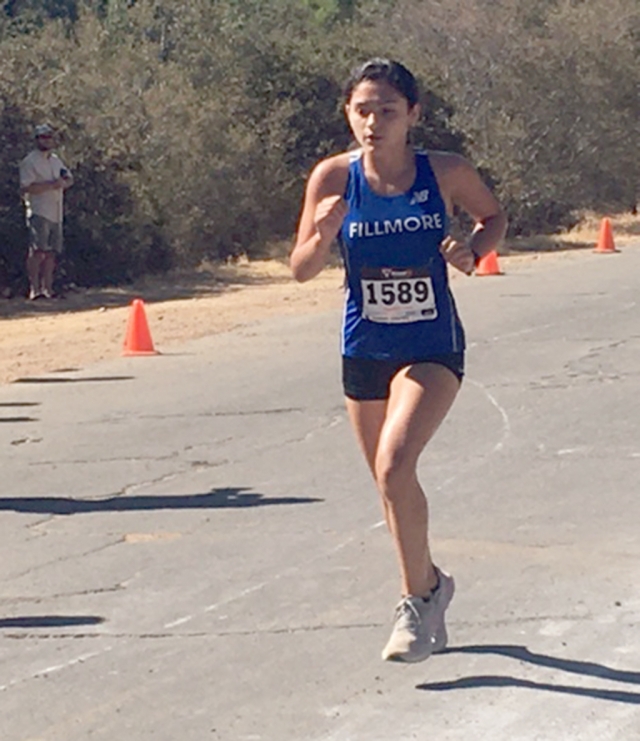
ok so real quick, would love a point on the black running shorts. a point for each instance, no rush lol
(366, 379)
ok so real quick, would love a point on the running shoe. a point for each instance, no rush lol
(419, 629)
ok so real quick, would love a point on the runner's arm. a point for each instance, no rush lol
(323, 212)
(469, 192)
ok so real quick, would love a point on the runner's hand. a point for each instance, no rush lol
(458, 254)
(330, 213)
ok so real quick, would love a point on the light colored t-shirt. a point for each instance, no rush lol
(42, 167)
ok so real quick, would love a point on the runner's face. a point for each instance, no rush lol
(380, 117)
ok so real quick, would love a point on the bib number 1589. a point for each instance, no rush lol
(391, 300)
(402, 292)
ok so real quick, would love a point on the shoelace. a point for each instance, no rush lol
(408, 610)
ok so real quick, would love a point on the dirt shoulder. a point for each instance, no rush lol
(41, 337)
(87, 326)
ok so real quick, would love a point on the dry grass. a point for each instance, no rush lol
(626, 228)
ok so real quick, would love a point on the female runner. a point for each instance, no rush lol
(403, 343)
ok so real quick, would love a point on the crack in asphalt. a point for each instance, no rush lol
(115, 459)
(62, 559)
(117, 418)
(631, 622)
(61, 595)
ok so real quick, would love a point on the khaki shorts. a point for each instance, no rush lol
(44, 235)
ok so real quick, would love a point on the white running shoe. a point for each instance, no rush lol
(419, 629)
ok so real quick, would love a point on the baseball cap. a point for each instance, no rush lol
(44, 130)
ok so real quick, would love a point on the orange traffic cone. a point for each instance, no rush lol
(605, 238)
(138, 340)
(488, 264)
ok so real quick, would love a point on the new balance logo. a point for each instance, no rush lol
(422, 196)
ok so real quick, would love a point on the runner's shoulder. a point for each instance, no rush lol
(330, 174)
(447, 163)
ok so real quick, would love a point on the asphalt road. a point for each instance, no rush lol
(191, 547)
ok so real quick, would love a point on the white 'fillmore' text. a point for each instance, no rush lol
(395, 226)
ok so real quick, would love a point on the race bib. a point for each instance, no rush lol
(398, 296)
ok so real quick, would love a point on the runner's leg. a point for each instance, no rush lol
(421, 395)
(367, 419)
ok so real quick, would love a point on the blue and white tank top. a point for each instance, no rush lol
(398, 305)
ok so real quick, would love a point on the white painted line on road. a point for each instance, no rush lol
(56, 668)
(446, 482)
(242, 594)
(511, 335)
(506, 431)
(262, 585)
(506, 424)
(179, 621)
(569, 451)
(521, 332)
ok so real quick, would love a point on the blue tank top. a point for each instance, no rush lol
(398, 305)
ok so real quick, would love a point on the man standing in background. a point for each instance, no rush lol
(43, 180)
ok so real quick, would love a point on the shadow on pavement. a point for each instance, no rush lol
(215, 499)
(49, 621)
(19, 404)
(521, 653)
(64, 379)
